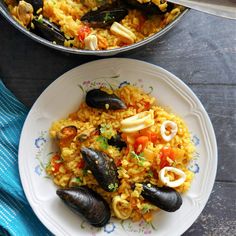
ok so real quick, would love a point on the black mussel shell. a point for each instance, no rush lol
(99, 99)
(104, 16)
(148, 7)
(167, 199)
(102, 167)
(37, 4)
(116, 141)
(86, 203)
(48, 30)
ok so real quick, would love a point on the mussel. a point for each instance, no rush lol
(102, 167)
(167, 199)
(104, 15)
(67, 132)
(86, 203)
(148, 7)
(48, 30)
(117, 142)
(100, 99)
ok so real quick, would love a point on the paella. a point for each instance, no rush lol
(94, 24)
(121, 154)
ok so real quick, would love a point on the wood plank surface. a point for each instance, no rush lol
(201, 50)
(219, 216)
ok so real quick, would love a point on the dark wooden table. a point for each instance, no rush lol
(201, 50)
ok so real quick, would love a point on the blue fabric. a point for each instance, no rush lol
(16, 216)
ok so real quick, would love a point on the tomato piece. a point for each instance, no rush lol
(55, 163)
(166, 152)
(140, 144)
(146, 132)
(81, 164)
(147, 105)
(142, 139)
(118, 162)
(152, 136)
(83, 32)
(127, 150)
(164, 163)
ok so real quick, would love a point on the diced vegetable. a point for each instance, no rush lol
(166, 152)
(81, 164)
(140, 144)
(83, 32)
(153, 137)
(55, 163)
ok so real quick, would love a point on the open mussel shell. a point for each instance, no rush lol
(148, 7)
(86, 203)
(100, 99)
(103, 168)
(104, 16)
(48, 30)
(167, 199)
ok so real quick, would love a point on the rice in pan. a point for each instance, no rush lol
(74, 24)
(155, 148)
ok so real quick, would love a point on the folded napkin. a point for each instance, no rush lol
(16, 216)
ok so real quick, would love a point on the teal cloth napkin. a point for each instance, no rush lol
(16, 216)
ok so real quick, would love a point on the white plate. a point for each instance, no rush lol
(64, 95)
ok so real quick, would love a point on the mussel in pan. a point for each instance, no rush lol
(100, 99)
(167, 199)
(48, 30)
(104, 16)
(24, 12)
(102, 167)
(148, 7)
(86, 203)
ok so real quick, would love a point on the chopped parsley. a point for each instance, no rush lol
(103, 142)
(150, 173)
(49, 165)
(77, 180)
(145, 209)
(113, 187)
(139, 157)
(108, 17)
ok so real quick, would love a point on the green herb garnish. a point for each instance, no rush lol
(113, 187)
(139, 157)
(77, 180)
(108, 17)
(103, 142)
(145, 209)
(150, 173)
